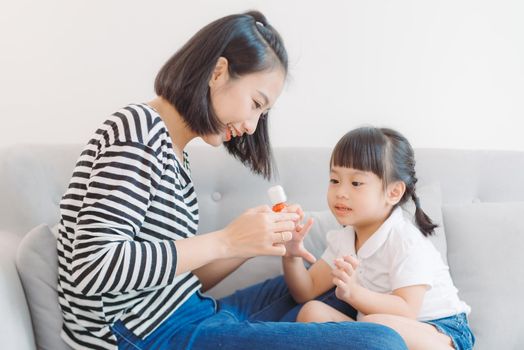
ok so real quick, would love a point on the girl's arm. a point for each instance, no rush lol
(304, 284)
(406, 301)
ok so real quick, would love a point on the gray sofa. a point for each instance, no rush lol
(476, 196)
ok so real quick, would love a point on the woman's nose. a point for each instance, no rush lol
(250, 125)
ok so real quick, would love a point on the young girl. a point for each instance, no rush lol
(380, 263)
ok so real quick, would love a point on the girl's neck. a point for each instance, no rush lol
(365, 231)
(176, 126)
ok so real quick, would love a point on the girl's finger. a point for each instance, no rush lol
(345, 266)
(305, 229)
(352, 260)
(295, 208)
(342, 275)
(339, 283)
(308, 256)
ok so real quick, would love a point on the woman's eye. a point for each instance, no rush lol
(333, 181)
(356, 183)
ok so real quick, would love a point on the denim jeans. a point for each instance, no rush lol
(457, 328)
(249, 319)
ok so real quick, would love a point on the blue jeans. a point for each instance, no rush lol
(457, 328)
(248, 319)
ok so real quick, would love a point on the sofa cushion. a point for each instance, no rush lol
(431, 202)
(16, 331)
(485, 242)
(37, 266)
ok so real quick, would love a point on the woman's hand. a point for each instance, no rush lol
(345, 277)
(259, 231)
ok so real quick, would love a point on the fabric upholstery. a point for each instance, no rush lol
(485, 254)
(15, 323)
(38, 265)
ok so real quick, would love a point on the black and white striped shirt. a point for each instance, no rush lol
(129, 199)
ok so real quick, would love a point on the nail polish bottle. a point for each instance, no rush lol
(278, 198)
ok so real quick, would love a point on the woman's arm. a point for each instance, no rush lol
(213, 273)
(256, 232)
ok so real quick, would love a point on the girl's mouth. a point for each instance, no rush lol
(342, 209)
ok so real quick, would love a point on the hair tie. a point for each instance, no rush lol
(416, 200)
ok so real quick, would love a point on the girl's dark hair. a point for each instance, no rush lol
(387, 154)
(250, 45)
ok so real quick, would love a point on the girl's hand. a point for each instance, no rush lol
(345, 277)
(295, 247)
(295, 208)
(259, 231)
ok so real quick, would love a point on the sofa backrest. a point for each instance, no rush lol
(34, 177)
(483, 239)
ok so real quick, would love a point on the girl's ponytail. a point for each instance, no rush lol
(423, 221)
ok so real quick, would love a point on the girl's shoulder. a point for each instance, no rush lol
(405, 235)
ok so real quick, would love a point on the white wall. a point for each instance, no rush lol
(447, 73)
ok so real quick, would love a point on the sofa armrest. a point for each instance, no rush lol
(16, 331)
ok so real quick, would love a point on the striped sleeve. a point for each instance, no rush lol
(106, 255)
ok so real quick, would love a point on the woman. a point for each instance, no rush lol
(131, 269)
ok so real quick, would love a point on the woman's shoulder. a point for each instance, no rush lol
(134, 124)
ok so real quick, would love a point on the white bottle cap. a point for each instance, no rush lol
(276, 194)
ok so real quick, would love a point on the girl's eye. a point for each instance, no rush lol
(356, 183)
(333, 181)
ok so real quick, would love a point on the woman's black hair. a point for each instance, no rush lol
(387, 154)
(250, 45)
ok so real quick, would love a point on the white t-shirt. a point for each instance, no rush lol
(398, 255)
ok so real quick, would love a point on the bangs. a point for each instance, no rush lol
(362, 149)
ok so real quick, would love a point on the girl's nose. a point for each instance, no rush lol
(341, 194)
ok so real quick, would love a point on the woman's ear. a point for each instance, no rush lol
(220, 73)
(395, 192)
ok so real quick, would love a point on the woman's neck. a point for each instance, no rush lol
(176, 126)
